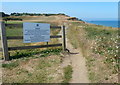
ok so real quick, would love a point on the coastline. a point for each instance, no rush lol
(104, 23)
(100, 25)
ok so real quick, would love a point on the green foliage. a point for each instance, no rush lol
(10, 65)
(92, 76)
(2, 14)
(14, 31)
(67, 74)
(16, 84)
(33, 14)
(106, 42)
(93, 32)
(31, 52)
(7, 18)
(14, 22)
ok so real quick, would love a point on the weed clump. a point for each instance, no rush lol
(10, 65)
(67, 74)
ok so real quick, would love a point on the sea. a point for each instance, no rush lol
(105, 23)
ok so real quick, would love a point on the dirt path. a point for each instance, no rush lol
(79, 66)
(77, 61)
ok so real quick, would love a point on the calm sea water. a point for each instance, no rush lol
(105, 23)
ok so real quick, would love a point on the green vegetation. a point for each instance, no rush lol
(30, 14)
(7, 19)
(2, 14)
(14, 31)
(14, 22)
(10, 65)
(33, 14)
(99, 46)
(67, 74)
(106, 45)
(32, 52)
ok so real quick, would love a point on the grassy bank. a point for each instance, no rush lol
(99, 46)
(38, 68)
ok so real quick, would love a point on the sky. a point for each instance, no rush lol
(60, 0)
(82, 10)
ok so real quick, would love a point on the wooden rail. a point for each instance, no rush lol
(32, 47)
(21, 37)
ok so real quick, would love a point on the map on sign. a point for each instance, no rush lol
(36, 32)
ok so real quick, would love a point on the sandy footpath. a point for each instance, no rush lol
(77, 61)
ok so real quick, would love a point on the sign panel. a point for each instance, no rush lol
(36, 32)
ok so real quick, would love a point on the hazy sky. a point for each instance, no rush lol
(83, 10)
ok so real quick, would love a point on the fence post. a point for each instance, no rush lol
(63, 38)
(4, 42)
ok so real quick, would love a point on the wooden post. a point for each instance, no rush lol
(63, 38)
(47, 43)
(4, 42)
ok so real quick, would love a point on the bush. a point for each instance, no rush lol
(6, 19)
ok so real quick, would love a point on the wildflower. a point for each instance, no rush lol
(116, 46)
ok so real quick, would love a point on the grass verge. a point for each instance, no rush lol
(67, 74)
(10, 65)
(39, 68)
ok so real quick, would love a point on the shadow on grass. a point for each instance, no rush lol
(20, 55)
(31, 53)
(73, 53)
